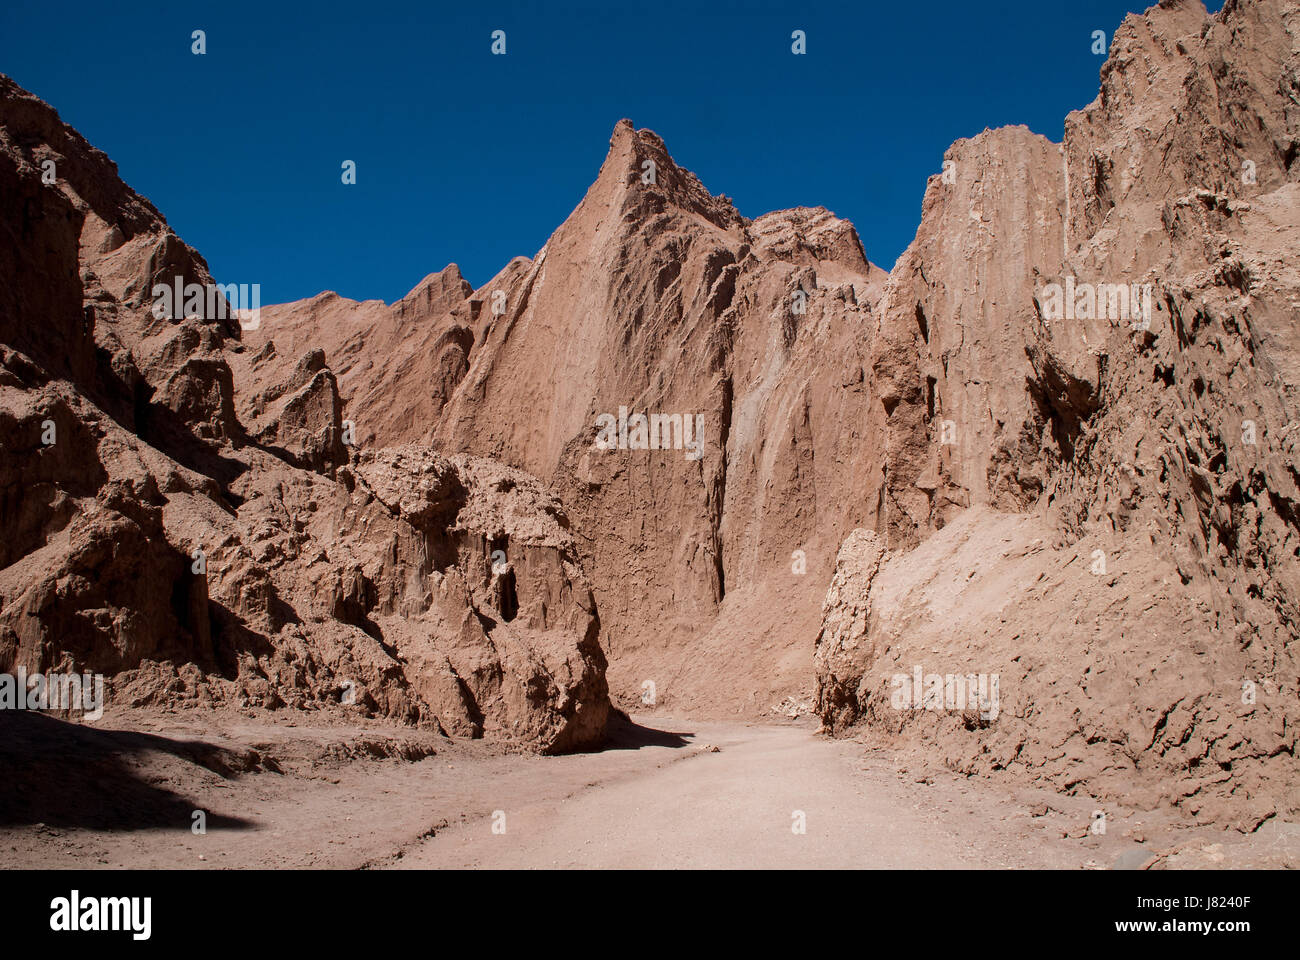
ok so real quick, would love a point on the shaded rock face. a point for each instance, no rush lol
(1142, 611)
(41, 243)
(183, 513)
(90, 238)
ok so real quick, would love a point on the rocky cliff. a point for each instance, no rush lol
(1114, 493)
(187, 519)
(657, 298)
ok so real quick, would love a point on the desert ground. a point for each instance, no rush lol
(664, 793)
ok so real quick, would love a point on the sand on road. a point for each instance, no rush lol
(287, 791)
(770, 796)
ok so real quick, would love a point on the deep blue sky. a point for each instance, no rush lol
(471, 158)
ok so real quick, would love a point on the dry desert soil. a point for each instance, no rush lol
(665, 793)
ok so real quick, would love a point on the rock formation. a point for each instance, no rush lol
(657, 297)
(1094, 500)
(185, 517)
(1115, 500)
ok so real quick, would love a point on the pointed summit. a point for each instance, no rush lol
(640, 172)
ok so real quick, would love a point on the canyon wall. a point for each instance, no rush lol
(188, 520)
(1128, 564)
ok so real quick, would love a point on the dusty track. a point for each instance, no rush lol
(279, 791)
(736, 808)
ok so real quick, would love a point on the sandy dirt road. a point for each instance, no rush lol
(288, 791)
(743, 807)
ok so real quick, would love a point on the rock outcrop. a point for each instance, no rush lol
(185, 516)
(1140, 604)
(657, 297)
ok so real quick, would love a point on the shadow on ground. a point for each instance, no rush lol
(624, 733)
(65, 774)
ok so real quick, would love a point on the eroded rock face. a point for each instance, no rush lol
(183, 514)
(949, 359)
(301, 415)
(1141, 611)
(844, 643)
(112, 247)
(660, 298)
(835, 397)
(396, 365)
(429, 589)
